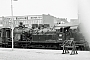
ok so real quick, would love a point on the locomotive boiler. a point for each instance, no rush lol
(37, 38)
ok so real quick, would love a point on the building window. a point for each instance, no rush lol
(14, 22)
(26, 21)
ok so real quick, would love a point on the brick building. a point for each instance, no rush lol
(32, 19)
(1, 22)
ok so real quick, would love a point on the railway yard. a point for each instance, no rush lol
(40, 54)
(27, 43)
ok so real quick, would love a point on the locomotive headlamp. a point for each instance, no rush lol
(60, 35)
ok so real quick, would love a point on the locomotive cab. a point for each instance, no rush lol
(63, 33)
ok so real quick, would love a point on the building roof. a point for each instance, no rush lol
(75, 27)
(67, 24)
(71, 25)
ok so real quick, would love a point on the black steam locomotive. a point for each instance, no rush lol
(40, 38)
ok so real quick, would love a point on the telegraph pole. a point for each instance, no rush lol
(12, 23)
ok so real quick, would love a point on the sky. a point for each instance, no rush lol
(58, 8)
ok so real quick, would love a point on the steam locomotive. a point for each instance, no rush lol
(40, 38)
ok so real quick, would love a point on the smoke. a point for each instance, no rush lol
(84, 18)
